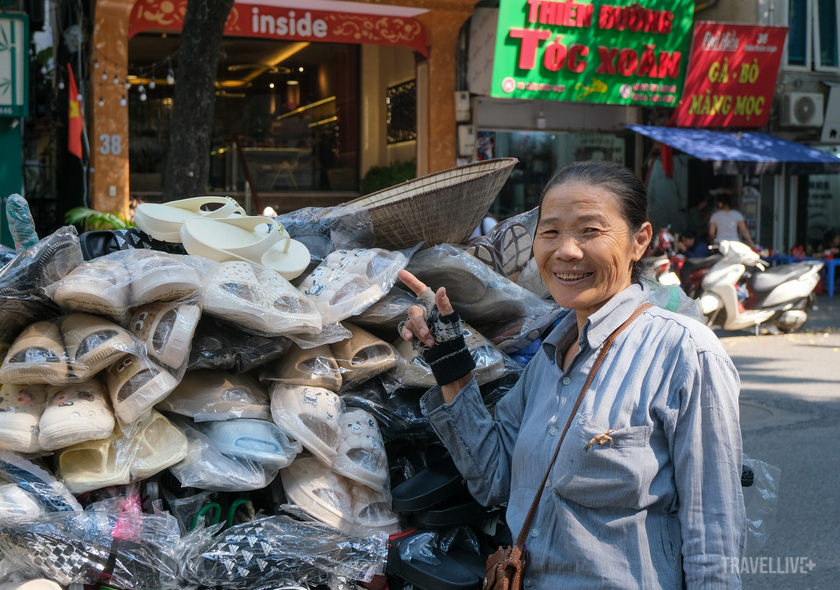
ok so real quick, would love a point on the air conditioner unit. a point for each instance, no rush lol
(802, 109)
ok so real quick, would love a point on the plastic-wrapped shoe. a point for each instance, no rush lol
(99, 286)
(167, 329)
(93, 343)
(314, 366)
(312, 415)
(135, 385)
(75, 412)
(217, 395)
(260, 441)
(36, 356)
(363, 355)
(361, 455)
(21, 407)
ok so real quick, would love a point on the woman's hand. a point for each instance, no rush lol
(440, 336)
(416, 325)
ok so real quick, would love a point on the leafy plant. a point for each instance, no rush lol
(382, 177)
(93, 219)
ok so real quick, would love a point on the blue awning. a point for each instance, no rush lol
(744, 152)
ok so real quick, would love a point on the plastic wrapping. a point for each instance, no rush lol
(36, 480)
(384, 316)
(21, 224)
(207, 468)
(18, 507)
(23, 300)
(362, 355)
(506, 248)
(529, 278)
(398, 412)
(478, 293)
(93, 547)
(335, 500)
(511, 336)
(218, 395)
(761, 501)
(147, 448)
(421, 547)
(167, 330)
(412, 371)
(111, 285)
(315, 367)
(280, 551)
(67, 349)
(260, 441)
(673, 298)
(21, 407)
(258, 300)
(221, 345)
(348, 281)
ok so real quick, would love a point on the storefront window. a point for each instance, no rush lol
(286, 115)
(540, 154)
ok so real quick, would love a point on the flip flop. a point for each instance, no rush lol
(250, 238)
(163, 221)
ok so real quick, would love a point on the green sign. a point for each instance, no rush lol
(611, 52)
(14, 64)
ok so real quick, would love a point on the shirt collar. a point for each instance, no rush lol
(603, 322)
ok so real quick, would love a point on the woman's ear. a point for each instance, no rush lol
(641, 240)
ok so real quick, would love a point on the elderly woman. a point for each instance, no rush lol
(645, 491)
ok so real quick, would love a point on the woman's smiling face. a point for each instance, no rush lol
(584, 247)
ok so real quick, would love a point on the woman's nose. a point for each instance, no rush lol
(568, 248)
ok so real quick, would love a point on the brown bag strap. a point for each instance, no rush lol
(529, 519)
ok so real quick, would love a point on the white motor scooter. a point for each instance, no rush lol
(734, 298)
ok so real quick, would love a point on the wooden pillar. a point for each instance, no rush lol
(108, 127)
(442, 30)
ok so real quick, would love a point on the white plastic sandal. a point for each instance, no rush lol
(217, 395)
(312, 415)
(135, 385)
(361, 455)
(159, 276)
(255, 238)
(99, 286)
(163, 221)
(93, 343)
(320, 492)
(21, 407)
(167, 330)
(75, 413)
(36, 356)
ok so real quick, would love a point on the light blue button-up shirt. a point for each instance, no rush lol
(663, 496)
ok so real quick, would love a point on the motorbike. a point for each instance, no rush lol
(660, 256)
(737, 290)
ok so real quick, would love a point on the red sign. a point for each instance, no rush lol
(731, 75)
(298, 24)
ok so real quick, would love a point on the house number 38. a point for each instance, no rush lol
(110, 144)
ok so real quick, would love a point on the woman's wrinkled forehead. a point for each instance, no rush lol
(588, 195)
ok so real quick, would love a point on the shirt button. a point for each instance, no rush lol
(553, 431)
(534, 532)
(566, 380)
(528, 583)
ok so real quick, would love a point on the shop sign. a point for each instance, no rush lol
(731, 75)
(604, 51)
(279, 22)
(14, 65)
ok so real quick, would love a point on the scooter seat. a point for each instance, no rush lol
(776, 275)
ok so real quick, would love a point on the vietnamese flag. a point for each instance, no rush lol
(74, 118)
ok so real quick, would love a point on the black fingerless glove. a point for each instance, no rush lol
(449, 358)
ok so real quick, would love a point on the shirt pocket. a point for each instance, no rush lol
(615, 474)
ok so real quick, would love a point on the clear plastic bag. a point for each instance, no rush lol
(349, 281)
(478, 293)
(23, 280)
(222, 345)
(761, 501)
(283, 551)
(81, 547)
(673, 298)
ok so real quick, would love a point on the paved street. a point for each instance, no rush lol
(790, 415)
